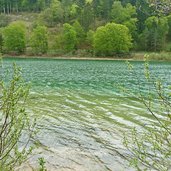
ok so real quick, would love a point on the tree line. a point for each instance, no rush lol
(93, 26)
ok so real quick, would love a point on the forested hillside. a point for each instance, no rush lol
(85, 27)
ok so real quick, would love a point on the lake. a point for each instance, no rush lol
(81, 111)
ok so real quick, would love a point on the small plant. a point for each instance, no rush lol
(150, 148)
(16, 130)
(42, 164)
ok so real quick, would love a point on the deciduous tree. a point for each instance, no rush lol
(125, 15)
(39, 40)
(111, 39)
(154, 35)
(69, 37)
(15, 37)
(79, 33)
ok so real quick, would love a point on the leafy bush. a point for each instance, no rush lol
(16, 129)
(69, 37)
(52, 15)
(42, 164)
(111, 39)
(80, 34)
(15, 37)
(151, 148)
(39, 40)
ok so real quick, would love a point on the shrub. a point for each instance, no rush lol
(69, 37)
(151, 148)
(15, 37)
(90, 39)
(80, 34)
(111, 39)
(39, 40)
(16, 130)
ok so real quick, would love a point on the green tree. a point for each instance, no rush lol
(53, 14)
(74, 10)
(39, 40)
(70, 10)
(69, 37)
(86, 15)
(125, 15)
(154, 35)
(15, 37)
(57, 11)
(169, 24)
(111, 39)
(31, 5)
(80, 34)
(105, 7)
(40, 5)
(143, 12)
(96, 8)
(90, 39)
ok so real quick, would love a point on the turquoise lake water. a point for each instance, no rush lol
(81, 111)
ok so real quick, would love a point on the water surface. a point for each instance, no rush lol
(81, 111)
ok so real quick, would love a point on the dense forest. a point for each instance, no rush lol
(84, 27)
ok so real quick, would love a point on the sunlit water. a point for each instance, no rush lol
(81, 112)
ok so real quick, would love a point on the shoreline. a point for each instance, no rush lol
(74, 58)
(133, 57)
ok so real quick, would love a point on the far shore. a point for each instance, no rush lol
(73, 57)
(132, 57)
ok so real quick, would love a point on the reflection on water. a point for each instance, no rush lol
(81, 113)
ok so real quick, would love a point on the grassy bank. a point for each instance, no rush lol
(137, 56)
(153, 56)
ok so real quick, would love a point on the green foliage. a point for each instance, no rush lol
(86, 16)
(120, 14)
(52, 15)
(58, 44)
(104, 8)
(15, 6)
(151, 149)
(74, 10)
(57, 11)
(80, 34)
(39, 40)
(163, 56)
(42, 164)
(125, 15)
(16, 129)
(111, 39)
(35, 6)
(154, 35)
(46, 18)
(41, 4)
(90, 38)
(169, 24)
(143, 12)
(90, 14)
(1, 41)
(69, 37)
(15, 37)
